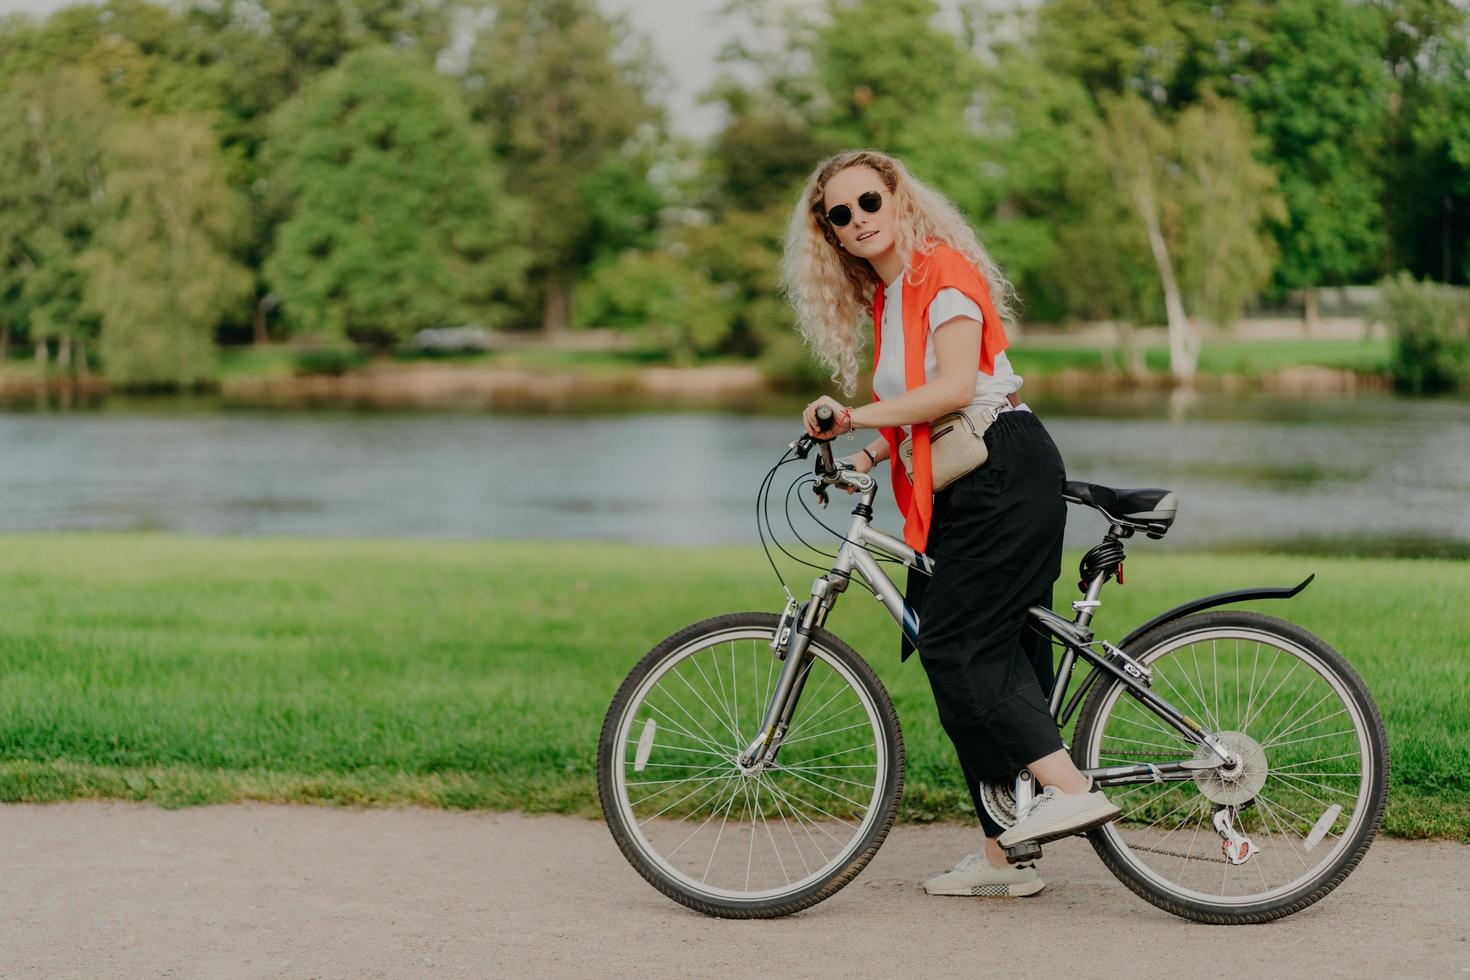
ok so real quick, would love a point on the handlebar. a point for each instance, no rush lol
(827, 471)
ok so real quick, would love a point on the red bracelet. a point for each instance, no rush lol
(847, 419)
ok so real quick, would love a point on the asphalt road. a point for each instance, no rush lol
(118, 890)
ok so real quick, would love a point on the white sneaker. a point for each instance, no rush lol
(1055, 814)
(975, 875)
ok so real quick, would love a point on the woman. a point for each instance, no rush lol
(868, 238)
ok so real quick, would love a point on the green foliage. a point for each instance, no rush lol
(333, 360)
(51, 150)
(896, 81)
(1226, 198)
(1430, 324)
(160, 273)
(760, 160)
(657, 291)
(1198, 201)
(1427, 193)
(561, 96)
(1319, 93)
(397, 219)
(1169, 52)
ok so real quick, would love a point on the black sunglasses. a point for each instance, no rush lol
(871, 202)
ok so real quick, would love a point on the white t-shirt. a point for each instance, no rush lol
(991, 390)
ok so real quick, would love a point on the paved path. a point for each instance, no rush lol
(114, 890)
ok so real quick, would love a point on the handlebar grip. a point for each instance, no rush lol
(825, 418)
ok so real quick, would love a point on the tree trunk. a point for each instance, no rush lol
(41, 353)
(63, 352)
(259, 334)
(558, 310)
(4, 341)
(1130, 351)
(82, 367)
(1183, 344)
(1310, 311)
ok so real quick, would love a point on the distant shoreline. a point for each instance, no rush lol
(492, 387)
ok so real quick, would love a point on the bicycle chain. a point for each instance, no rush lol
(1178, 854)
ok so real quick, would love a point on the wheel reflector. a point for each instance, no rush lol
(1319, 829)
(645, 745)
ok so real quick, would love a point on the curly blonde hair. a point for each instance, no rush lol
(832, 290)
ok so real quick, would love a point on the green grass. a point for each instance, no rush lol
(1218, 357)
(1041, 357)
(186, 671)
(256, 361)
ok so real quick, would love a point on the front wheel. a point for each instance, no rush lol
(748, 843)
(1303, 801)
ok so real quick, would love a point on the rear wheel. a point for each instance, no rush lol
(1308, 792)
(742, 843)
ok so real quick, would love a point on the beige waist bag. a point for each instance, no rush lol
(956, 446)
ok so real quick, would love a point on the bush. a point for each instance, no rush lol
(654, 290)
(1430, 324)
(332, 361)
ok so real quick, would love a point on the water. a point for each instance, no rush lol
(1374, 474)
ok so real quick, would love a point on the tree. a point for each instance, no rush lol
(1033, 126)
(655, 290)
(161, 272)
(898, 82)
(1201, 200)
(856, 73)
(1226, 200)
(394, 216)
(1426, 164)
(51, 152)
(1104, 267)
(1318, 90)
(561, 97)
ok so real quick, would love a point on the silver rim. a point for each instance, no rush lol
(721, 833)
(1308, 773)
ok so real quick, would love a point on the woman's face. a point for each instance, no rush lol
(865, 235)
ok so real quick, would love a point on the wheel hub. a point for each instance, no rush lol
(1237, 784)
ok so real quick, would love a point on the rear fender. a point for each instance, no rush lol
(1218, 599)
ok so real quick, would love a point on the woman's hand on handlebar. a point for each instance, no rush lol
(841, 418)
(859, 462)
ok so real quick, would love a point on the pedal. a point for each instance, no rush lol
(1025, 851)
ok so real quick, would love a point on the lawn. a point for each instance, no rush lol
(1220, 355)
(185, 670)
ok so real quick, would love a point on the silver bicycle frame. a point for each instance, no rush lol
(797, 624)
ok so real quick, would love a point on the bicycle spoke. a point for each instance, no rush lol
(734, 733)
(723, 821)
(795, 770)
(834, 731)
(810, 718)
(1312, 782)
(718, 694)
(679, 729)
(701, 821)
(1295, 729)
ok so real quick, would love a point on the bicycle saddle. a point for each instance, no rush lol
(1150, 508)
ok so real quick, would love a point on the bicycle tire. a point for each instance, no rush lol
(611, 758)
(1368, 729)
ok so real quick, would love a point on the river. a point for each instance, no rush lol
(1366, 475)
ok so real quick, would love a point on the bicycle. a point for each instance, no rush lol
(1268, 742)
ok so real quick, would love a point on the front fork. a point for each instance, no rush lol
(793, 636)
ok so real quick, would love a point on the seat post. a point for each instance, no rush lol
(1095, 568)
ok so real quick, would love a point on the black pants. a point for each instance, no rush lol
(996, 538)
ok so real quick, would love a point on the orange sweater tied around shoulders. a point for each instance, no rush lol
(940, 268)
